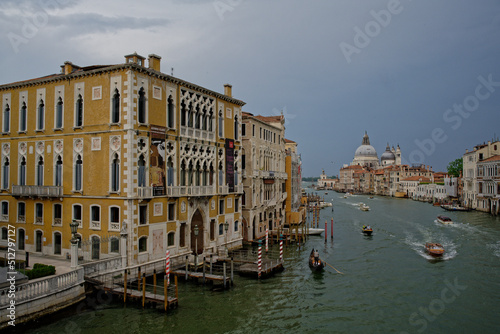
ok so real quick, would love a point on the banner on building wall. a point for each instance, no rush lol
(157, 159)
(230, 164)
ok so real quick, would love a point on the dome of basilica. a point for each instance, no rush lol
(366, 150)
(388, 155)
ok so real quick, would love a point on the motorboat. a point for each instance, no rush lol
(434, 249)
(444, 220)
(367, 230)
(364, 207)
(314, 231)
(450, 207)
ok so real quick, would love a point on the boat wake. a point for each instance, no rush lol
(495, 248)
(419, 247)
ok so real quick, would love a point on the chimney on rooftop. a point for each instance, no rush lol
(68, 67)
(154, 62)
(228, 90)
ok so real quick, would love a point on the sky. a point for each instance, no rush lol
(424, 75)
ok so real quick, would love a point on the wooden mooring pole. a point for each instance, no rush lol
(165, 294)
(176, 289)
(139, 279)
(125, 287)
(154, 281)
(203, 270)
(187, 267)
(143, 289)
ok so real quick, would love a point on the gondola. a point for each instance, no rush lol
(367, 230)
(313, 265)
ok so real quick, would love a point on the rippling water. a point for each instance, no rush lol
(389, 284)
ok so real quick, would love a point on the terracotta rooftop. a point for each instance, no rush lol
(353, 167)
(417, 178)
(269, 119)
(289, 141)
(493, 158)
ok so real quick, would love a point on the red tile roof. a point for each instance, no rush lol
(417, 178)
(493, 158)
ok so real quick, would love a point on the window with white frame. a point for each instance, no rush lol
(58, 172)
(143, 244)
(221, 124)
(170, 113)
(57, 215)
(78, 169)
(79, 111)
(95, 217)
(114, 245)
(171, 239)
(39, 172)
(23, 113)
(114, 218)
(115, 107)
(22, 172)
(21, 212)
(38, 213)
(143, 214)
(5, 211)
(115, 173)
(40, 116)
(141, 114)
(6, 118)
(59, 114)
(77, 214)
(5, 174)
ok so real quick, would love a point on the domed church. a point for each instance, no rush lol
(366, 155)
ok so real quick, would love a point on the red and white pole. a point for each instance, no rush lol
(281, 250)
(259, 261)
(267, 239)
(167, 267)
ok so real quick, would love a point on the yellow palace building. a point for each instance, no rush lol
(143, 161)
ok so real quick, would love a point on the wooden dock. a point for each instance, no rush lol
(149, 297)
(200, 276)
(268, 269)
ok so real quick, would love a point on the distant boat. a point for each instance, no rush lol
(449, 207)
(434, 249)
(364, 207)
(314, 231)
(315, 266)
(367, 230)
(444, 220)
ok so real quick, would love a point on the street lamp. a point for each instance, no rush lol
(196, 231)
(74, 244)
(226, 227)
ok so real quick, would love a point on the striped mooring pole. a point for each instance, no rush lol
(259, 260)
(167, 267)
(281, 250)
(267, 239)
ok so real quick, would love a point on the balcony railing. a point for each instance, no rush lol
(40, 191)
(238, 189)
(57, 222)
(145, 192)
(197, 133)
(115, 226)
(95, 224)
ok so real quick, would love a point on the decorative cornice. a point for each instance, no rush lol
(113, 68)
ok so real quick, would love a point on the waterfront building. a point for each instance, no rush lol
(470, 160)
(295, 211)
(488, 181)
(127, 152)
(264, 174)
(325, 183)
(410, 184)
(388, 158)
(346, 180)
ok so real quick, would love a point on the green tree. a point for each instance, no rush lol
(455, 167)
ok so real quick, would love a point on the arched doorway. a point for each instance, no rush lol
(57, 243)
(197, 238)
(38, 241)
(20, 239)
(96, 245)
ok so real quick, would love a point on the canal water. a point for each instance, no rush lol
(388, 282)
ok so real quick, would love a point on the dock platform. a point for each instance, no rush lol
(149, 297)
